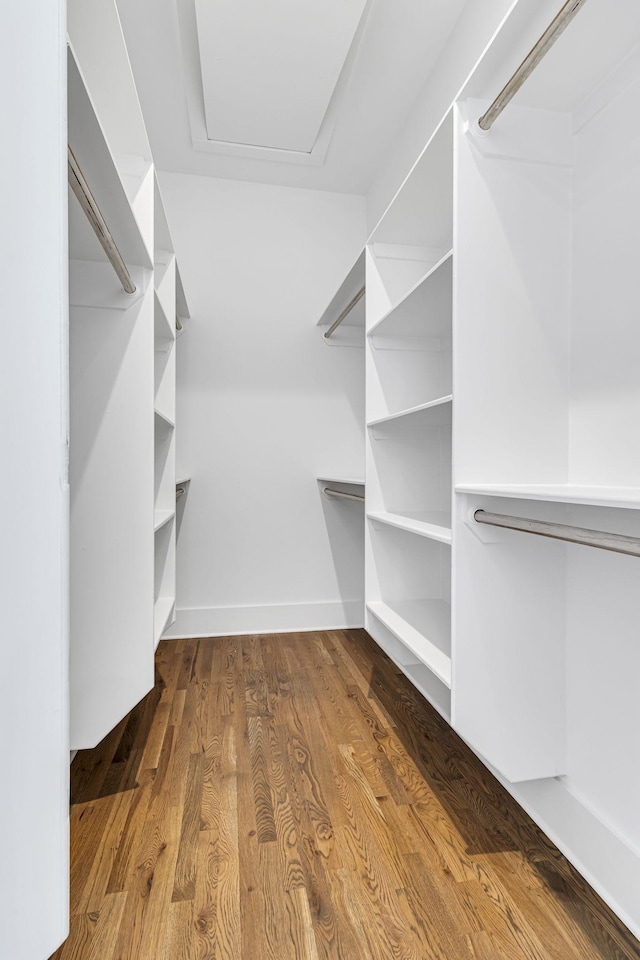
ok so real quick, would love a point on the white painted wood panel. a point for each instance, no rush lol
(111, 391)
(34, 704)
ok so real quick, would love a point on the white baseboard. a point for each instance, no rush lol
(193, 622)
(611, 866)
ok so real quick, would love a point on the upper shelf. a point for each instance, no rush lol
(623, 497)
(421, 213)
(91, 150)
(344, 334)
(351, 481)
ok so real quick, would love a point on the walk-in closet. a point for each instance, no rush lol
(322, 480)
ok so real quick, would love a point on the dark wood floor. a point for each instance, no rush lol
(293, 798)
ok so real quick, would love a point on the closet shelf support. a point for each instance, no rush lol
(345, 313)
(92, 212)
(615, 542)
(530, 62)
(339, 495)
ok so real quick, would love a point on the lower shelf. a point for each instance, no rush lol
(162, 612)
(424, 627)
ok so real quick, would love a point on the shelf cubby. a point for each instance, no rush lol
(410, 600)
(411, 347)
(416, 231)
(424, 627)
(410, 483)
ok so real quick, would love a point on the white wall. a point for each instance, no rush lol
(34, 737)
(264, 406)
(477, 24)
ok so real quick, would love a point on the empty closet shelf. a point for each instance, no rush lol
(588, 495)
(436, 525)
(335, 478)
(161, 517)
(424, 627)
(411, 411)
(419, 313)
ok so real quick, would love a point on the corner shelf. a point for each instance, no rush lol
(435, 525)
(424, 627)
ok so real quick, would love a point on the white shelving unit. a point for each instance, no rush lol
(502, 355)
(111, 434)
(409, 403)
(122, 402)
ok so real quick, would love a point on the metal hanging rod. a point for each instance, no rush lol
(88, 203)
(339, 495)
(179, 326)
(531, 61)
(180, 492)
(615, 542)
(345, 313)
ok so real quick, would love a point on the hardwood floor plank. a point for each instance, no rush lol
(184, 887)
(292, 797)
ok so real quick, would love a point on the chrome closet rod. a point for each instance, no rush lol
(339, 495)
(88, 203)
(345, 313)
(616, 542)
(530, 62)
(180, 491)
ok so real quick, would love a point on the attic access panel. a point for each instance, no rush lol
(270, 67)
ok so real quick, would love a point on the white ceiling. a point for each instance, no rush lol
(313, 100)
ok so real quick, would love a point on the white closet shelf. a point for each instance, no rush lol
(410, 411)
(162, 611)
(162, 517)
(433, 524)
(354, 482)
(166, 421)
(421, 212)
(424, 627)
(99, 166)
(164, 329)
(411, 311)
(624, 497)
(352, 283)
(182, 479)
